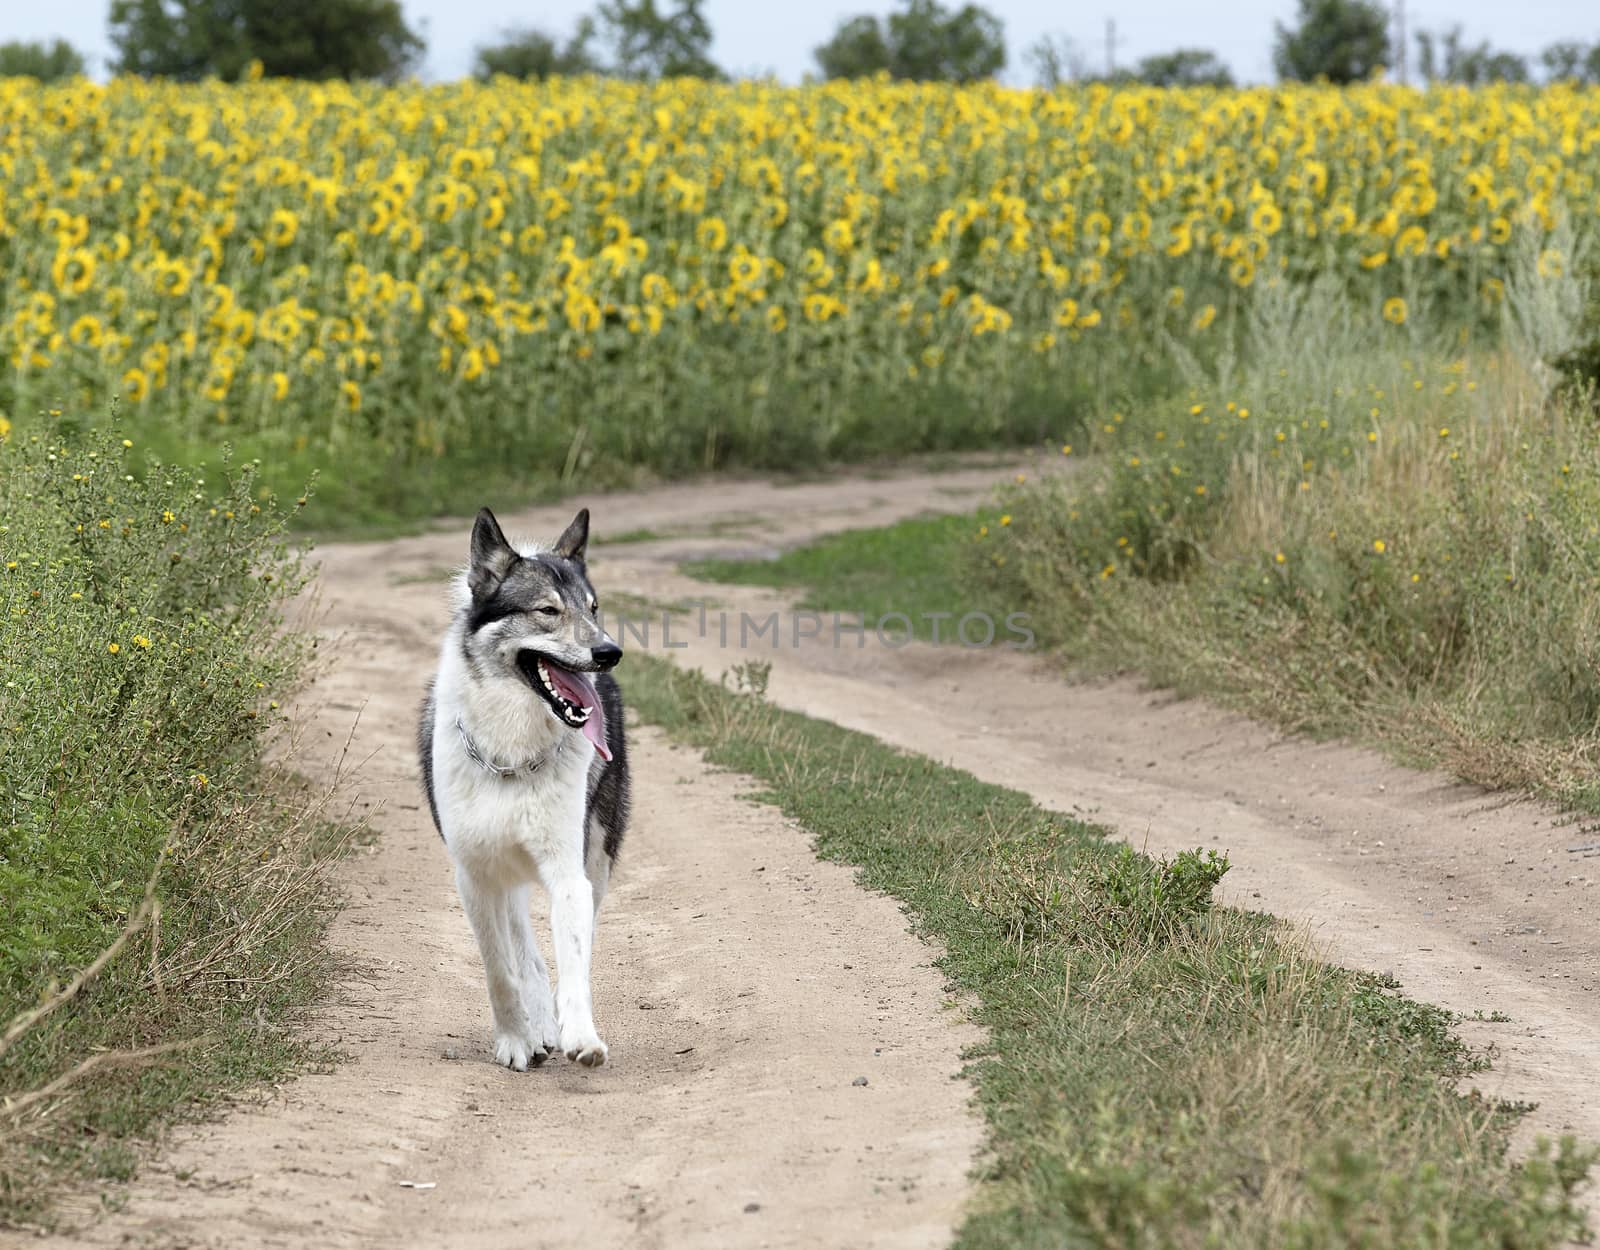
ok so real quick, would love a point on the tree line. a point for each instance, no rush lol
(1341, 41)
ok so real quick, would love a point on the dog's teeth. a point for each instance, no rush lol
(581, 713)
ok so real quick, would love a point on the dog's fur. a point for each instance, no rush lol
(559, 817)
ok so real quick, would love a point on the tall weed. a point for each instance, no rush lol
(1347, 534)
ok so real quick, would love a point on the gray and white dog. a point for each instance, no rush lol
(526, 770)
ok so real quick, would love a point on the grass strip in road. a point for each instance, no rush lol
(918, 568)
(1160, 1071)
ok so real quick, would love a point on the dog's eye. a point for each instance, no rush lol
(594, 605)
(548, 610)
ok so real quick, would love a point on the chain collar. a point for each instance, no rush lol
(506, 772)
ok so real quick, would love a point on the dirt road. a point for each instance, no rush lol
(743, 986)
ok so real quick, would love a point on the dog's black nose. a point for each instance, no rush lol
(606, 655)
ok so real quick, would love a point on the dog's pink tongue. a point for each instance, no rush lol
(579, 688)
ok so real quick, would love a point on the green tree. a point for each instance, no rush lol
(1340, 40)
(924, 41)
(1445, 57)
(1184, 67)
(647, 42)
(533, 54)
(1571, 61)
(37, 60)
(858, 49)
(1055, 59)
(190, 39)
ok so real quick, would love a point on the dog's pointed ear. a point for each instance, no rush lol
(492, 555)
(575, 538)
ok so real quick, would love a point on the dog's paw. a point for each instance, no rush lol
(516, 1053)
(543, 1029)
(588, 1050)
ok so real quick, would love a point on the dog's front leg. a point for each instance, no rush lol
(534, 975)
(488, 911)
(572, 931)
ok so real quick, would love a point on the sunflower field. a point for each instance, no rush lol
(681, 275)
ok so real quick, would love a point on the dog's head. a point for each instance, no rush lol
(534, 613)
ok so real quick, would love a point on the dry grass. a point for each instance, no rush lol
(188, 1003)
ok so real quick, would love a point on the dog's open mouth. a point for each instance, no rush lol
(571, 695)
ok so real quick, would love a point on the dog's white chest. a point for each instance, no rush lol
(505, 828)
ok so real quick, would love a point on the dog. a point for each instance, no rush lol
(525, 765)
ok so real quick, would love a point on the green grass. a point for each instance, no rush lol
(643, 535)
(1161, 1072)
(141, 647)
(366, 492)
(918, 569)
(373, 485)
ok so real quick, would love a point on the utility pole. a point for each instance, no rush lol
(1400, 38)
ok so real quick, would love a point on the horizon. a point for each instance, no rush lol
(757, 41)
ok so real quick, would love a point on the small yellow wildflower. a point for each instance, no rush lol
(114, 648)
(1379, 546)
(140, 641)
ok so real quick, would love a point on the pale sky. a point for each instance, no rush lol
(755, 36)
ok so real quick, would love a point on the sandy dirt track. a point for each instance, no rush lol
(723, 934)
